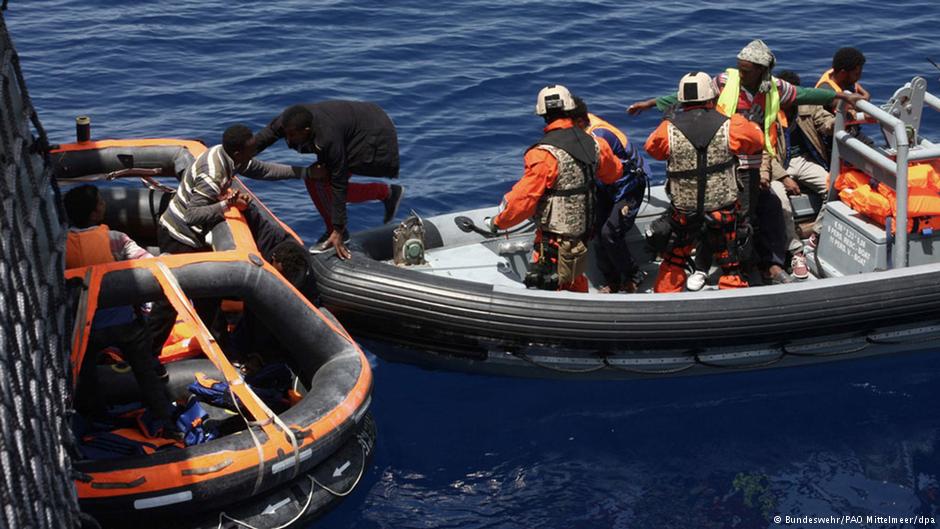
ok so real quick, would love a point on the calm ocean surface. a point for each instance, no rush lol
(459, 79)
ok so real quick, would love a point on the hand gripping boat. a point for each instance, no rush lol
(466, 308)
(265, 469)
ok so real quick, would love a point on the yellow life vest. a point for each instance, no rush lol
(728, 105)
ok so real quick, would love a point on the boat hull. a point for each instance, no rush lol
(452, 323)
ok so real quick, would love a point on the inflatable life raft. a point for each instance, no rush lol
(300, 460)
(464, 305)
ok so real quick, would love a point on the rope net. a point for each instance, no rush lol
(36, 488)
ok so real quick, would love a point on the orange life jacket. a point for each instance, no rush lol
(880, 201)
(88, 247)
(826, 79)
(181, 343)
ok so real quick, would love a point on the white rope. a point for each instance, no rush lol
(223, 516)
(355, 482)
(254, 438)
(290, 434)
(313, 481)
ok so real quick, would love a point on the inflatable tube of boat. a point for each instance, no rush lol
(306, 498)
(172, 157)
(138, 210)
(211, 475)
(495, 325)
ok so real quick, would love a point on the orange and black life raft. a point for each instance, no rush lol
(272, 449)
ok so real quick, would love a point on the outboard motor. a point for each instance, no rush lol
(408, 242)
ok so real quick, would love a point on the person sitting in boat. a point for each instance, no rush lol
(348, 137)
(89, 242)
(846, 71)
(205, 192)
(752, 90)
(700, 146)
(616, 205)
(557, 187)
(803, 164)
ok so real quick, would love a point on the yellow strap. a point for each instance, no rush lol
(728, 99)
(210, 347)
(771, 109)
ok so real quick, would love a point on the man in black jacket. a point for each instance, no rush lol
(347, 137)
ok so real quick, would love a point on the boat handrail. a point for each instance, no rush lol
(900, 133)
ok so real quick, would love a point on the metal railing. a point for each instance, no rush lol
(900, 131)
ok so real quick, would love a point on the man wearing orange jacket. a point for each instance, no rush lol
(557, 188)
(700, 146)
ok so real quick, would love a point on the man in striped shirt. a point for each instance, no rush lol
(205, 192)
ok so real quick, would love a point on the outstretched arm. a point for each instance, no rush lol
(272, 132)
(661, 103)
(258, 170)
(640, 106)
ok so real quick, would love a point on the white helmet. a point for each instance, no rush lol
(554, 97)
(697, 87)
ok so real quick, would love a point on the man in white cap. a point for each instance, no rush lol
(557, 189)
(752, 91)
(700, 146)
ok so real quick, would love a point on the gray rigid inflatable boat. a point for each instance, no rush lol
(467, 309)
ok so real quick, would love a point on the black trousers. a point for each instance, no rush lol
(135, 341)
(613, 254)
(765, 214)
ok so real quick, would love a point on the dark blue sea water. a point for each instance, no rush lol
(459, 78)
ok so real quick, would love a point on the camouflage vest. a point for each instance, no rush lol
(566, 209)
(682, 172)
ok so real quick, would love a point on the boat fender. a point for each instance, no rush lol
(408, 242)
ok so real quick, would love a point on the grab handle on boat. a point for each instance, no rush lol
(466, 225)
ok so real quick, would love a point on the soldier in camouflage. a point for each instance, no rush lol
(557, 189)
(700, 147)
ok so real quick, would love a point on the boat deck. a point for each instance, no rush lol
(503, 262)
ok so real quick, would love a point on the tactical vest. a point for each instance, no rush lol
(701, 170)
(566, 209)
